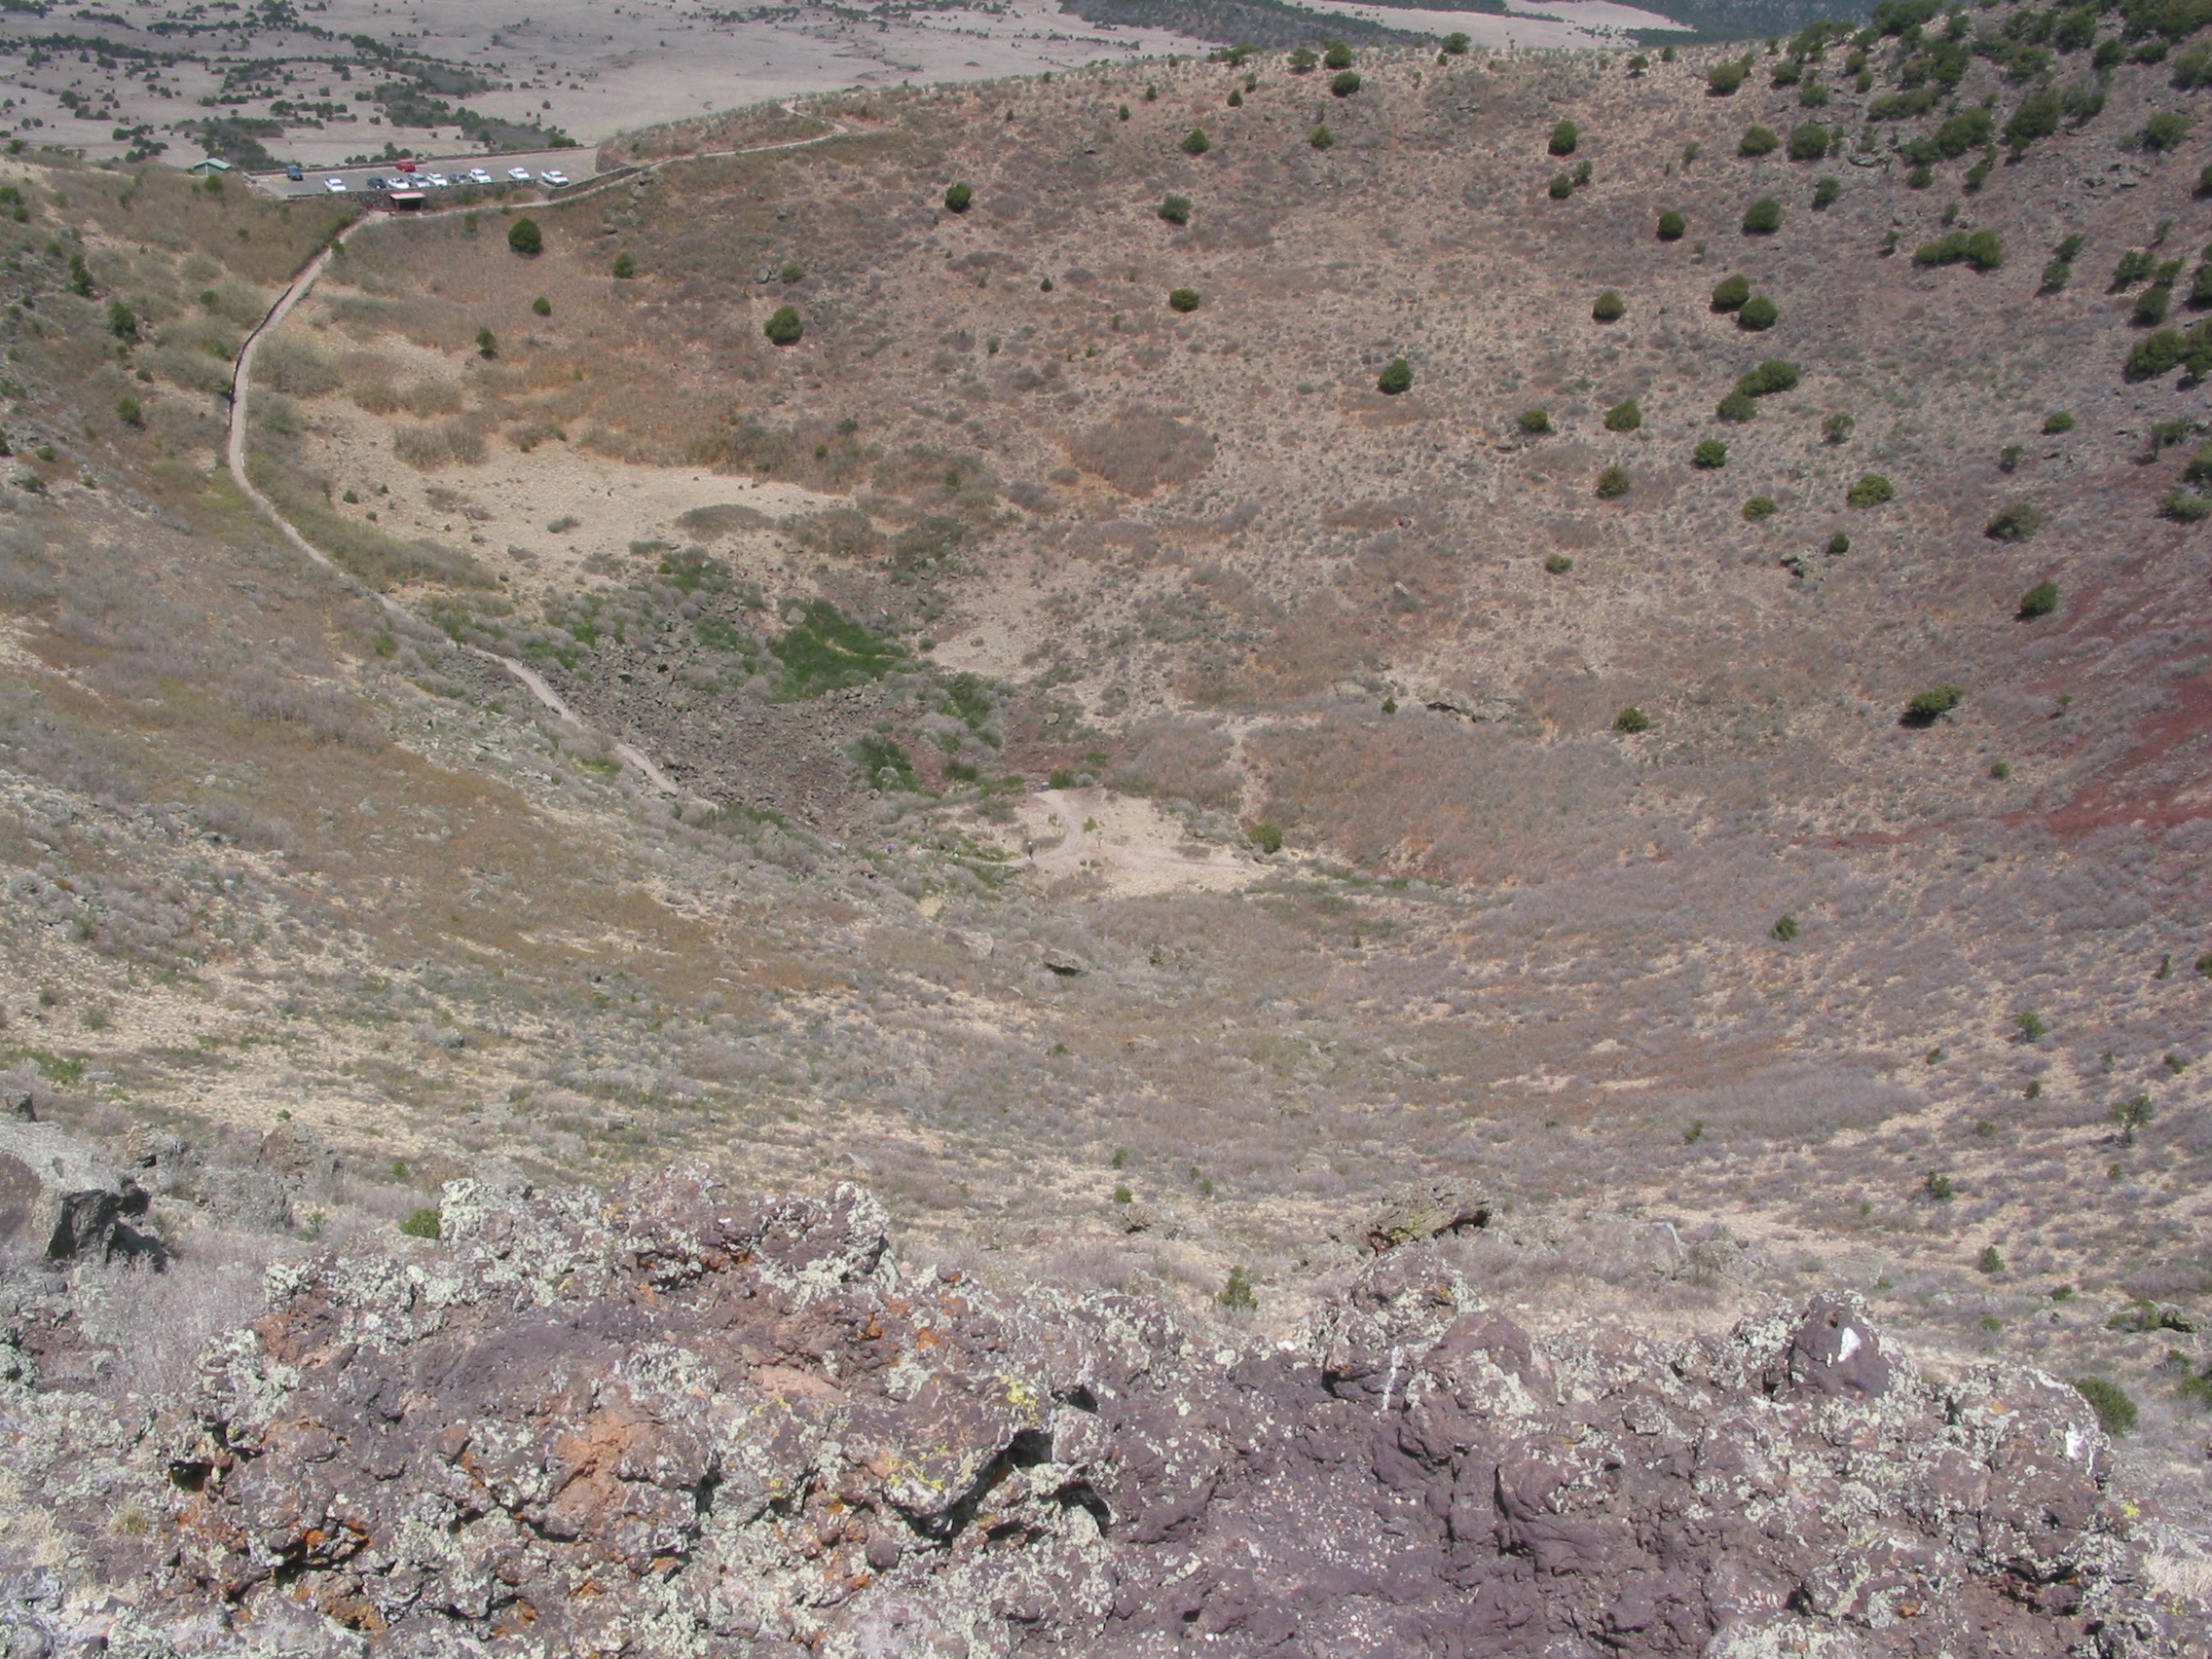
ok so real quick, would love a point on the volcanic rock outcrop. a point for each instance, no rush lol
(685, 1420)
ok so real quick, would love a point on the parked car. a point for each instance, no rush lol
(554, 176)
(375, 181)
(335, 185)
(436, 180)
(405, 167)
(292, 171)
(477, 175)
(521, 175)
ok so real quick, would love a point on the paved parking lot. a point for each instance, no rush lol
(579, 165)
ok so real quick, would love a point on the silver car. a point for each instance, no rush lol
(477, 175)
(521, 175)
(335, 185)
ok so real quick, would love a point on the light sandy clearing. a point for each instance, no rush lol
(509, 500)
(1121, 844)
(1551, 24)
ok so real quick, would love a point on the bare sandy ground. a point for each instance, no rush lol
(1546, 24)
(592, 69)
(1118, 844)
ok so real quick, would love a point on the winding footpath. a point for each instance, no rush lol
(241, 386)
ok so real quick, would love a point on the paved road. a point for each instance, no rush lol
(242, 387)
(580, 165)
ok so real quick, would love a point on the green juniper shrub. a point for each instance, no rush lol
(486, 343)
(1722, 80)
(2115, 1411)
(1195, 143)
(1300, 60)
(1838, 427)
(1730, 293)
(1125, 112)
(1920, 179)
(1632, 719)
(1613, 482)
(1691, 151)
(1762, 217)
(2166, 130)
(2041, 600)
(1785, 929)
(1624, 416)
(624, 265)
(2150, 307)
(1838, 545)
(1321, 137)
(1757, 142)
(1787, 72)
(1710, 455)
(1581, 174)
(1396, 376)
(2156, 354)
(1559, 563)
(957, 196)
(1183, 299)
(1812, 95)
(524, 238)
(1808, 141)
(1560, 187)
(1344, 84)
(1237, 1295)
(421, 1223)
(1637, 63)
(1926, 708)
(783, 328)
(1760, 508)
(122, 323)
(1534, 423)
(126, 411)
(541, 305)
(1336, 54)
(2200, 288)
(2185, 508)
(1977, 175)
(2056, 276)
(788, 273)
(1176, 209)
(1776, 374)
(1939, 1186)
(1737, 406)
(2001, 771)
(2056, 421)
(2008, 457)
(2014, 522)
(1564, 136)
(1267, 838)
(1235, 98)
(1609, 307)
(1871, 491)
(1455, 44)
(1672, 225)
(1758, 314)
(1990, 1261)
(2134, 265)
(1045, 285)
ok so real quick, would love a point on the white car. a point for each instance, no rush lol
(554, 176)
(521, 175)
(335, 185)
(437, 181)
(477, 175)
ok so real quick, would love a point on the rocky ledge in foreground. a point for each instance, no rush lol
(685, 1421)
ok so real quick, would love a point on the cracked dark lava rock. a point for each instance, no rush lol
(683, 1421)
